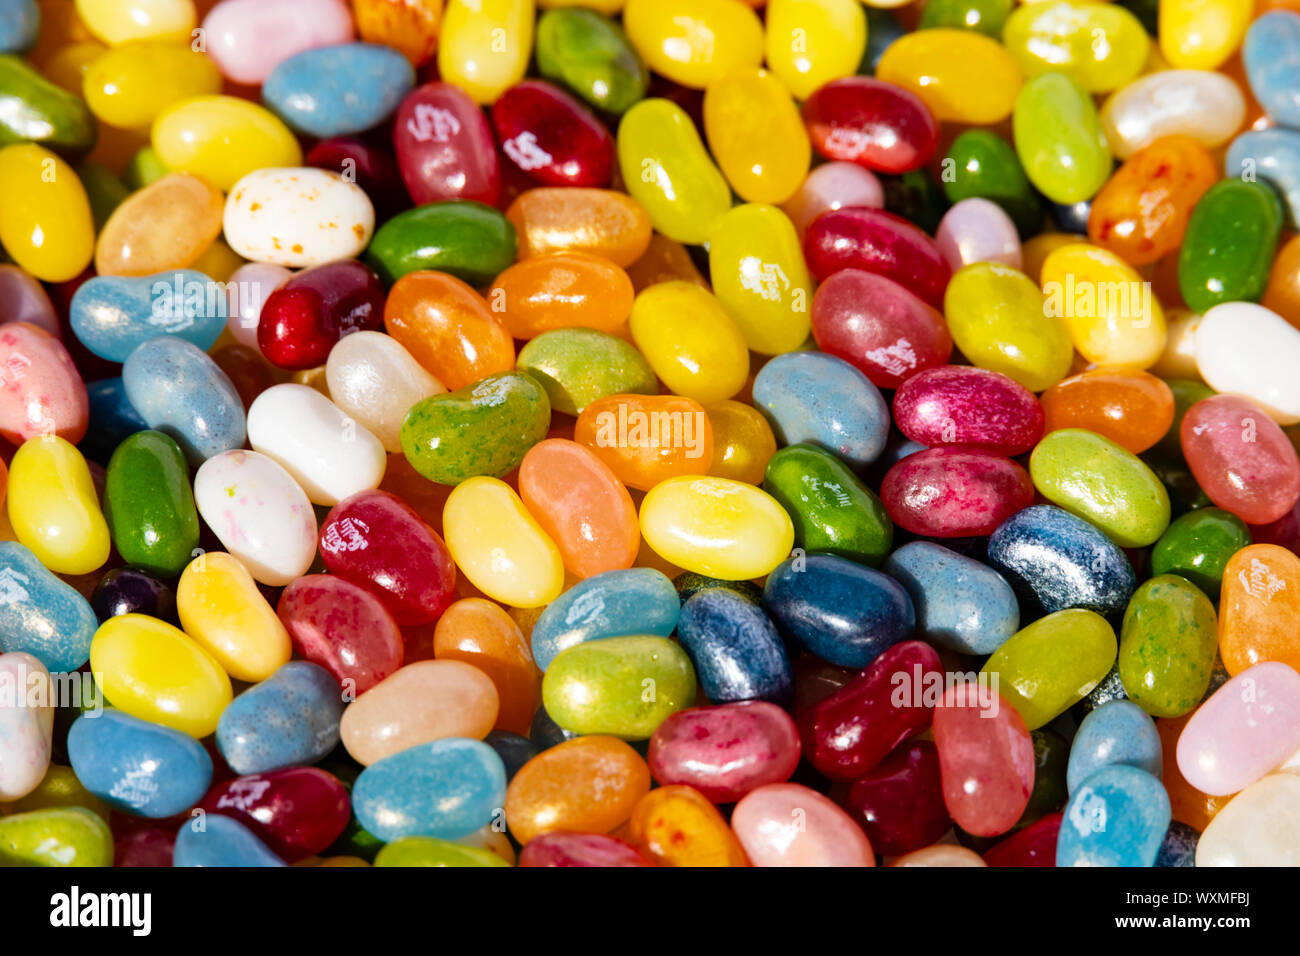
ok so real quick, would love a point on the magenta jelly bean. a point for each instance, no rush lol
(875, 124)
(963, 405)
(900, 802)
(566, 848)
(343, 628)
(977, 230)
(444, 147)
(297, 812)
(955, 492)
(877, 241)
(551, 137)
(305, 318)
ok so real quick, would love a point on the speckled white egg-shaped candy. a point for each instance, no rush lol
(1245, 349)
(26, 724)
(298, 217)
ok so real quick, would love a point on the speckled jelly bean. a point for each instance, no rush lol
(635, 601)
(1269, 55)
(1117, 817)
(960, 603)
(968, 406)
(725, 751)
(576, 367)
(40, 614)
(114, 315)
(1197, 546)
(289, 719)
(737, 652)
(955, 492)
(677, 826)
(1167, 646)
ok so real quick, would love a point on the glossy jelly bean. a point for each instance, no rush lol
(1103, 47)
(46, 226)
(872, 123)
(737, 652)
(483, 45)
(955, 492)
(1246, 832)
(843, 612)
(1257, 601)
(514, 749)
(1197, 546)
(899, 804)
(982, 164)
(221, 608)
(1167, 645)
(297, 217)
(27, 724)
(480, 633)
(57, 836)
(1269, 57)
(499, 546)
(879, 242)
(297, 812)
(249, 38)
(289, 719)
(725, 751)
(1117, 733)
(1241, 458)
(635, 601)
(1117, 817)
(968, 406)
(54, 508)
(39, 112)
(117, 23)
(961, 76)
(166, 225)
(561, 291)
(599, 221)
(430, 851)
(812, 42)
(977, 230)
(1242, 348)
(467, 239)
(224, 842)
(756, 135)
(41, 392)
(338, 90)
(114, 315)
(960, 604)
(1229, 244)
(247, 291)
(577, 367)
(647, 439)
(130, 84)
(375, 381)
(259, 513)
(149, 505)
(343, 628)
(1111, 313)
(1132, 409)
(444, 147)
(693, 42)
(1201, 104)
(677, 826)
(690, 341)
(1200, 36)
(411, 28)
(42, 616)
(591, 55)
(1059, 139)
(551, 138)
(743, 442)
(222, 139)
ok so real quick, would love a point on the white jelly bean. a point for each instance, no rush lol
(26, 724)
(298, 217)
(376, 381)
(1248, 350)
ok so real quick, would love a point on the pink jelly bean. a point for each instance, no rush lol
(833, 186)
(986, 759)
(444, 147)
(870, 122)
(246, 292)
(976, 230)
(955, 492)
(880, 242)
(787, 824)
(247, 39)
(725, 751)
(963, 405)
(1241, 458)
(1244, 730)
(876, 325)
(565, 848)
(41, 392)
(23, 299)
(343, 628)
(551, 137)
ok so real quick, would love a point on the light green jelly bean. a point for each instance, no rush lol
(62, 836)
(430, 851)
(1167, 646)
(578, 366)
(1059, 139)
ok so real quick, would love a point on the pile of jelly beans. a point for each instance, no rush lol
(649, 433)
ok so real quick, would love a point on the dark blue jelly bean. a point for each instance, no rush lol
(737, 652)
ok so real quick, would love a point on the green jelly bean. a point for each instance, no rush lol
(430, 851)
(1092, 477)
(1197, 546)
(982, 16)
(149, 504)
(60, 836)
(1167, 646)
(1229, 244)
(104, 190)
(916, 197)
(982, 164)
(1186, 394)
(471, 241)
(832, 510)
(482, 429)
(144, 167)
(34, 110)
(621, 686)
(591, 55)
(1049, 666)
(1059, 139)
(578, 366)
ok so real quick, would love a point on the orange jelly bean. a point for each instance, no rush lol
(581, 505)
(1142, 211)
(678, 826)
(647, 438)
(1259, 605)
(479, 632)
(563, 290)
(563, 219)
(166, 225)
(408, 26)
(1188, 804)
(589, 784)
(1283, 292)
(742, 442)
(448, 328)
(1132, 409)
(665, 260)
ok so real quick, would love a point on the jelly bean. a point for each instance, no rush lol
(129, 85)
(1179, 846)
(259, 513)
(221, 608)
(878, 242)
(843, 612)
(969, 406)
(962, 76)
(149, 505)
(983, 16)
(667, 170)
(677, 826)
(577, 367)
(872, 123)
(1247, 831)
(598, 221)
(25, 300)
(302, 320)
(725, 751)
(635, 601)
(1282, 294)
(59, 836)
(1243, 348)
(41, 615)
(1059, 139)
(41, 393)
(1132, 409)
(690, 341)
(444, 147)
(591, 55)
(410, 28)
(289, 719)
(551, 137)
(166, 225)
(222, 841)
(116, 23)
(1206, 106)
(45, 222)
(1048, 666)
(372, 167)
(940, 854)
(338, 90)
(483, 45)
(499, 546)
(960, 603)
(1269, 55)
(53, 506)
(1118, 817)
(647, 439)
(743, 442)
(1200, 36)
(1241, 458)
(21, 26)
(40, 113)
(297, 812)
(1197, 546)
(343, 628)
(248, 38)
(756, 135)
(179, 390)
(1229, 244)
(833, 185)
(478, 632)
(1103, 47)
(560, 291)
(588, 785)
(113, 315)
(736, 650)
(1258, 600)
(693, 42)
(466, 239)
(60, 788)
(430, 851)
(138, 767)
(1167, 645)
(375, 381)
(955, 492)
(1118, 733)
(812, 42)
(222, 139)
(899, 804)
(977, 230)
(787, 824)
(27, 724)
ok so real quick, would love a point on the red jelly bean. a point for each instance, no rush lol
(872, 123)
(1284, 532)
(1035, 845)
(372, 168)
(297, 812)
(955, 492)
(877, 241)
(565, 848)
(963, 405)
(444, 147)
(851, 731)
(343, 628)
(146, 846)
(900, 803)
(551, 137)
(878, 326)
(304, 318)
(377, 541)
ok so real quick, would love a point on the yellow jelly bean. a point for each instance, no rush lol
(759, 275)
(45, 221)
(222, 139)
(668, 171)
(690, 341)
(999, 321)
(53, 506)
(756, 135)
(1034, 251)
(1111, 313)
(742, 442)
(221, 608)
(694, 42)
(725, 529)
(121, 21)
(963, 76)
(153, 671)
(166, 225)
(811, 42)
(500, 546)
(131, 84)
(484, 45)
(1201, 34)
(1101, 45)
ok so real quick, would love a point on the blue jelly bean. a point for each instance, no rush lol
(737, 651)
(338, 90)
(178, 390)
(288, 720)
(1271, 155)
(613, 604)
(1116, 732)
(214, 840)
(20, 22)
(513, 749)
(545, 733)
(112, 419)
(960, 603)
(843, 612)
(1179, 846)
(114, 315)
(1117, 817)
(448, 789)
(136, 766)
(820, 399)
(1055, 561)
(40, 614)
(1271, 56)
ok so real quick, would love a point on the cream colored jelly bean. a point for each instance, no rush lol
(375, 380)
(297, 217)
